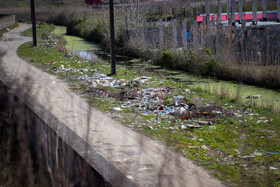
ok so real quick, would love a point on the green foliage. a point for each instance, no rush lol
(168, 57)
(91, 29)
(96, 34)
(211, 67)
(40, 30)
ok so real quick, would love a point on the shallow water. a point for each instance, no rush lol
(89, 50)
(76, 44)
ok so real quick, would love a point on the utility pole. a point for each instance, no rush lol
(33, 20)
(112, 39)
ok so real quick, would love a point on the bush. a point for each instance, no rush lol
(96, 34)
(210, 68)
(169, 59)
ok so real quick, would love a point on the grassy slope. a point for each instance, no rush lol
(223, 141)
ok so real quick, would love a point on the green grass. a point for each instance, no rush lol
(40, 30)
(40, 55)
(220, 148)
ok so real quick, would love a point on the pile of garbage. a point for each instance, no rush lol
(162, 102)
(67, 68)
(50, 40)
(159, 102)
(99, 79)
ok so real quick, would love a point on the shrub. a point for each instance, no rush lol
(210, 68)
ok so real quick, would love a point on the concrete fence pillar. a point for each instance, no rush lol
(254, 7)
(207, 10)
(195, 33)
(161, 33)
(243, 24)
(204, 20)
(278, 10)
(154, 37)
(184, 34)
(213, 21)
(233, 12)
(240, 5)
(219, 17)
(228, 11)
(202, 27)
(264, 10)
(174, 33)
(243, 41)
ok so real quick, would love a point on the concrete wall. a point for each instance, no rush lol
(250, 44)
(258, 45)
(60, 164)
(6, 21)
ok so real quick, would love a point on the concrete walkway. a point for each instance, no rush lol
(113, 149)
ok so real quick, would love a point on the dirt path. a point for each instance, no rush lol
(146, 162)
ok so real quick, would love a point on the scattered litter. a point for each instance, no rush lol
(216, 112)
(257, 153)
(204, 147)
(192, 146)
(248, 156)
(116, 109)
(272, 152)
(184, 117)
(130, 177)
(53, 82)
(237, 151)
(183, 126)
(244, 165)
(273, 168)
(253, 96)
(205, 123)
(194, 126)
(151, 127)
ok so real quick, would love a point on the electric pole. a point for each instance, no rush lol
(112, 39)
(32, 6)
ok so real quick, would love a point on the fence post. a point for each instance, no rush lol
(243, 24)
(207, 10)
(161, 33)
(174, 33)
(154, 43)
(213, 21)
(264, 18)
(240, 3)
(254, 7)
(267, 46)
(243, 42)
(219, 17)
(278, 10)
(202, 31)
(228, 12)
(195, 33)
(184, 34)
(233, 12)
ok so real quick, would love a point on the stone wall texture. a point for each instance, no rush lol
(6, 21)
